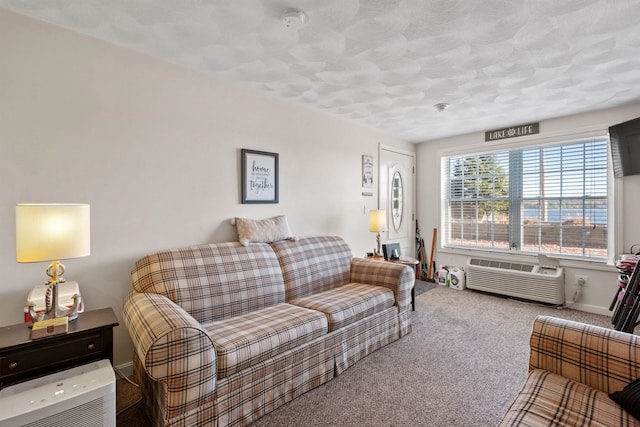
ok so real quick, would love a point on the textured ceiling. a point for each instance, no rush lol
(385, 63)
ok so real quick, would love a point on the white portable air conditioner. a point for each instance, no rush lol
(84, 396)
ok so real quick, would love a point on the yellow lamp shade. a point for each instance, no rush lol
(377, 220)
(48, 232)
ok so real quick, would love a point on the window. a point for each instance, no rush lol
(544, 199)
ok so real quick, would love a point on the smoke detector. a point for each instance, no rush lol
(293, 18)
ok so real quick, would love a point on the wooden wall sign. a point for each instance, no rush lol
(512, 132)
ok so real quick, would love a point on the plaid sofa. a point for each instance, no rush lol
(572, 369)
(225, 333)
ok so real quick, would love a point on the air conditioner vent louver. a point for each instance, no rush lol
(526, 281)
(501, 265)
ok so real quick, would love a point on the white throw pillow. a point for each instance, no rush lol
(263, 230)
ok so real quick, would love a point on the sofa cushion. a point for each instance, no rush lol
(249, 339)
(548, 399)
(215, 281)
(313, 264)
(629, 398)
(263, 230)
(348, 303)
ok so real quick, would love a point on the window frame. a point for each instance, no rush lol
(614, 198)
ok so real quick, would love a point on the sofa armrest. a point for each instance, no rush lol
(397, 277)
(173, 347)
(604, 359)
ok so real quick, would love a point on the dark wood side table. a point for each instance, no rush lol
(90, 338)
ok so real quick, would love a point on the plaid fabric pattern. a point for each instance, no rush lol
(313, 264)
(405, 322)
(604, 359)
(548, 399)
(349, 303)
(153, 396)
(248, 395)
(175, 349)
(153, 392)
(572, 368)
(247, 340)
(213, 282)
(362, 338)
(397, 277)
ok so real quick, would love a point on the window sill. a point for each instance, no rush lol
(529, 258)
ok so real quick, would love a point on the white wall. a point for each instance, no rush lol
(155, 150)
(598, 294)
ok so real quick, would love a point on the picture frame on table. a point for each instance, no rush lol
(391, 251)
(259, 177)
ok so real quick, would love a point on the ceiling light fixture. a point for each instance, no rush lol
(440, 107)
(293, 18)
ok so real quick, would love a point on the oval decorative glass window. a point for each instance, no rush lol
(397, 202)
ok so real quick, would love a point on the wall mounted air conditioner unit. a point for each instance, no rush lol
(544, 282)
(84, 396)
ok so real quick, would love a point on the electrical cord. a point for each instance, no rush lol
(133, 383)
(531, 302)
(124, 377)
(576, 294)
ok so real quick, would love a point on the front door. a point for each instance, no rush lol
(396, 197)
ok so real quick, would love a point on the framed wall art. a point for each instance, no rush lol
(259, 177)
(367, 171)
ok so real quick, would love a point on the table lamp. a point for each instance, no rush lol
(377, 224)
(50, 232)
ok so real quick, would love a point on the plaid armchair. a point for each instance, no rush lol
(572, 369)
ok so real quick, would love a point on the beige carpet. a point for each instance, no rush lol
(461, 366)
(129, 409)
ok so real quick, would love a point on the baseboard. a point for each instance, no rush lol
(589, 308)
(124, 369)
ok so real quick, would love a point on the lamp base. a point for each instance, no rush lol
(66, 291)
(53, 309)
(377, 252)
